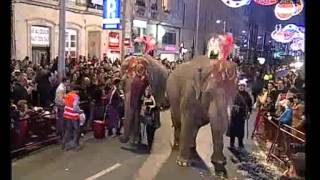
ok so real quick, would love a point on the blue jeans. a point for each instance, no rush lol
(72, 134)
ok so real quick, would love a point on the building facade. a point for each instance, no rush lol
(170, 22)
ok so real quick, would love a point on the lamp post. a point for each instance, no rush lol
(224, 25)
(197, 28)
(123, 29)
(62, 24)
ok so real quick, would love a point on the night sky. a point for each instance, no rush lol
(265, 15)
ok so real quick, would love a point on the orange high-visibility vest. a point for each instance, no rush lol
(69, 113)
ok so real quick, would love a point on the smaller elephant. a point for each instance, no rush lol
(138, 73)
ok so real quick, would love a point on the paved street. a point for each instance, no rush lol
(103, 159)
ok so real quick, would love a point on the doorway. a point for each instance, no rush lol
(41, 55)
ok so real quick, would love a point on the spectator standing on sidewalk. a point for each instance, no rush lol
(298, 111)
(20, 90)
(59, 103)
(71, 116)
(286, 116)
(241, 108)
(257, 85)
(113, 100)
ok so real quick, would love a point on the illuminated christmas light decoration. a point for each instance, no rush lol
(286, 9)
(299, 7)
(236, 4)
(266, 2)
(287, 34)
(297, 44)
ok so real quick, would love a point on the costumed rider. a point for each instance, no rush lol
(71, 115)
(219, 48)
(149, 123)
(149, 44)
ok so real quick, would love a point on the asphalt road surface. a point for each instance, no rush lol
(104, 160)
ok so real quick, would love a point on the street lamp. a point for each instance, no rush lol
(224, 24)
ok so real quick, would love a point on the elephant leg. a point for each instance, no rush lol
(188, 136)
(194, 154)
(218, 122)
(176, 121)
(136, 125)
(127, 123)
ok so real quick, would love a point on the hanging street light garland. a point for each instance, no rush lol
(290, 34)
(266, 2)
(236, 4)
(286, 9)
(286, 34)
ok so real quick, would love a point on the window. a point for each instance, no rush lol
(71, 1)
(140, 3)
(71, 42)
(169, 38)
(165, 4)
(82, 2)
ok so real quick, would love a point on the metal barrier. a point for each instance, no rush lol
(280, 149)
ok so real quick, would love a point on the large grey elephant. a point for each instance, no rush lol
(199, 92)
(138, 72)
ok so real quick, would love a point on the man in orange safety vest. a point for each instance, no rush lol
(71, 117)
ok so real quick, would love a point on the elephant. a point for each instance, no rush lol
(199, 92)
(137, 73)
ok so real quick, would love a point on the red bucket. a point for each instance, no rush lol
(99, 129)
(21, 138)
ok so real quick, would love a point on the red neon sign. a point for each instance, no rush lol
(114, 40)
(266, 2)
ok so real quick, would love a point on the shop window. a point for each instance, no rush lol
(165, 5)
(71, 42)
(140, 3)
(169, 38)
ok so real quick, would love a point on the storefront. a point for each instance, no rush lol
(40, 44)
(168, 42)
(113, 51)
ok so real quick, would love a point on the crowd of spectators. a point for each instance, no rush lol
(34, 85)
(279, 95)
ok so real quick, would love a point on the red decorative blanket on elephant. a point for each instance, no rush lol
(136, 68)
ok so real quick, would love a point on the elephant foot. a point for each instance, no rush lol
(175, 146)
(223, 162)
(220, 170)
(137, 148)
(183, 162)
(123, 139)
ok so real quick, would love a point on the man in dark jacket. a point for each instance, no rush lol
(257, 86)
(240, 110)
(44, 87)
(20, 91)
